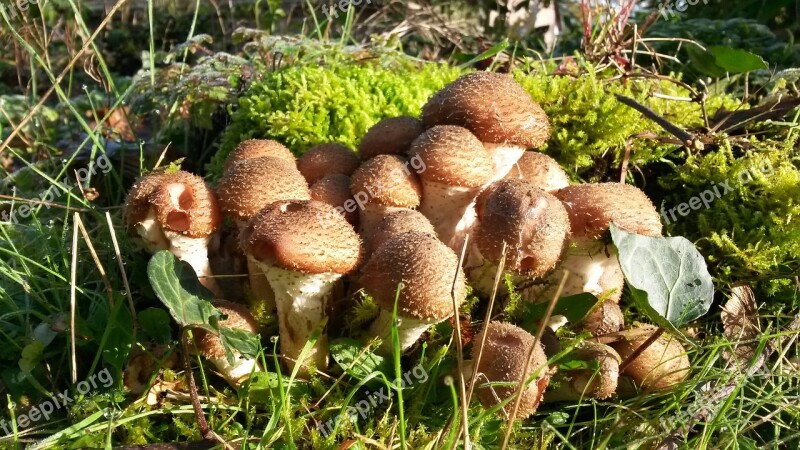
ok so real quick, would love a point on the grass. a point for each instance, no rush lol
(757, 410)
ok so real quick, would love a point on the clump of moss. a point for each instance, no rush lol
(750, 231)
(590, 125)
(305, 105)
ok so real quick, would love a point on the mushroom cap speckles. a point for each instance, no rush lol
(258, 148)
(182, 203)
(325, 159)
(425, 266)
(334, 189)
(541, 171)
(390, 137)
(302, 236)
(453, 156)
(503, 361)
(387, 180)
(491, 105)
(255, 183)
(238, 318)
(592, 207)
(662, 365)
(533, 223)
(398, 222)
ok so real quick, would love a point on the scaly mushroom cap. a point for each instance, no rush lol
(541, 171)
(533, 223)
(334, 189)
(255, 183)
(388, 181)
(258, 148)
(238, 318)
(302, 236)
(325, 159)
(503, 361)
(181, 202)
(600, 383)
(398, 222)
(390, 137)
(453, 156)
(593, 206)
(425, 266)
(605, 318)
(662, 365)
(491, 105)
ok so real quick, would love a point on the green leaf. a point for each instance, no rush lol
(734, 60)
(573, 307)
(155, 324)
(491, 52)
(178, 288)
(358, 363)
(668, 277)
(704, 62)
(244, 341)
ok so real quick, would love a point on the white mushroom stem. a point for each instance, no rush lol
(409, 330)
(237, 373)
(192, 250)
(259, 286)
(588, 262)
(504, 157)
(301, 300)
(451, 210)
(372, 214)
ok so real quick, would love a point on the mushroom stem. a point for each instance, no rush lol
(194, 251)
(259, 285)
(451, 210)
(505, 156)
(409, 330)
(301, 301)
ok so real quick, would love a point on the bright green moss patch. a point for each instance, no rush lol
(750, 231)
(305, 105)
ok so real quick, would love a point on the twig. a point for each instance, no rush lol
(635, 354)
(100, 268)
(652, 115)
(72, 298)
(460, 346)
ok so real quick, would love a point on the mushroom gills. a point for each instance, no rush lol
(454, 220)
(505, 156)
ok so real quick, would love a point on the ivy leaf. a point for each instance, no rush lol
(573, 307)
(242, 340)
(346, 351)
(668, 277)
(155, 324)
(735, 60)
(178, 288)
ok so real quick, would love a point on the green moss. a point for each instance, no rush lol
(305, 105)
(751, 232)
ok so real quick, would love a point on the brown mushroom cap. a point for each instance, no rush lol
(663, 364)
(398, 222)
(600, 383)
(325, 159)
(302, 236)
(334, 189)
(387, 180)
(604, 318)
(503, 361)
(255, 183)
(491, 105)
(541, 171)
(425, 266)
(390, 137)
(238, 318)
(182, 203)
(593, 206)
(453, 156)
(533, 223)
(258, 148)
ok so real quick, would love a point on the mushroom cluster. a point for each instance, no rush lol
(391, 220)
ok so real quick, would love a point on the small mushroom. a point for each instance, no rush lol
(599, 382)
(334, 189)
(496, 109)
(258, 148)
(541, 171)
(175, 211)
(210, 346)
(423, 269)
(661, 365)
(326, 159)
(390, 137)
(457, 166)
(605, 318)
(304, 248)
(503, 359)
(381, 185)
(532, 223)
(395, 223)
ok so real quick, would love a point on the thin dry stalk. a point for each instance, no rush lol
(100, 268)
(72, 299)
(121, 266)
(460, 347)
